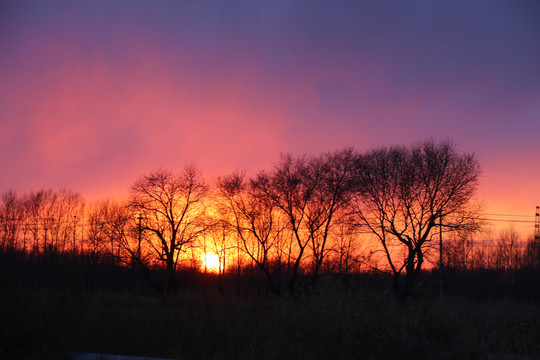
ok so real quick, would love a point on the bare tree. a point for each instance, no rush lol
(52, 218)
(532, 253)
(96, 243)
(255, 221)
(289, 188)
(171, 209)
(61, 210)
(310, 193)
(46, 206)
(11, 221)
(71, 213)
(459, 252)
(33, 204)
(115, 225)
(508, 252)
(333, 175)
(349, 251)
(220, 241)
(406, 194)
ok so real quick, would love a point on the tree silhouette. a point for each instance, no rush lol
(170, 207)
(508, 252)
(532, 253)
(325, 212)
(310, 193)
(406, 194)
(255, 220)
(11, 216)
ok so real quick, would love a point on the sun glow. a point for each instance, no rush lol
(210, 263)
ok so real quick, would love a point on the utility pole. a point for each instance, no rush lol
(537, 224)
(441, 264)
(139, 256)
(536, 242)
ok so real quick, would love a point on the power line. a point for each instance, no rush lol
(509, 215)
(509, 220)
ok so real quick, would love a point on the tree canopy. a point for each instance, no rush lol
(404, 195)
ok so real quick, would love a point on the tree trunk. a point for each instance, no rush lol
(412, 270)
(172, 285)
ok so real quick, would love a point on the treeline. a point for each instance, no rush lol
(506, 253)
(341, 212)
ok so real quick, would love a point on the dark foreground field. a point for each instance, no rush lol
(327, 323)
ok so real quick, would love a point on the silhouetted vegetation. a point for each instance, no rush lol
(332, 320)
(338, 212)
(311, 254)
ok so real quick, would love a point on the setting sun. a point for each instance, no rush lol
(210, 262)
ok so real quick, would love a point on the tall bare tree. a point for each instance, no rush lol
(459, 251)
(171, 210)
(532, 253)
(95, 234)
(33, 204)
(255, 221)
(349, 250)
(310, 193)
(113, 228)
(11, 220)
(508, 251)
(408, 194)
(52, 218)
(219, 240)
(333, 175)
(289, 188)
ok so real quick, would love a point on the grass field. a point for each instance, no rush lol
(327, 323)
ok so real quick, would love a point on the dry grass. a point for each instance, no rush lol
(326, 323)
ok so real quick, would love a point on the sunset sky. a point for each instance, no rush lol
(94, 94)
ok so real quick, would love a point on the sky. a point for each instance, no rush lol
(94, 94)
